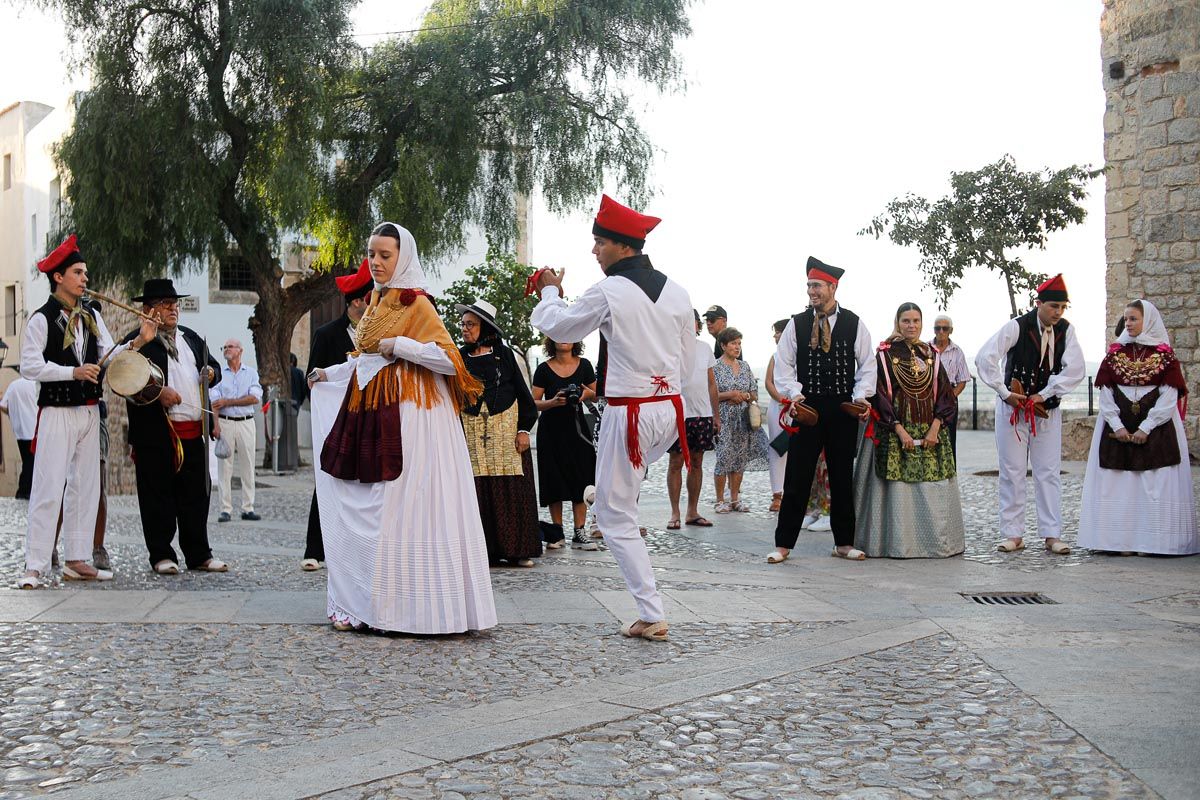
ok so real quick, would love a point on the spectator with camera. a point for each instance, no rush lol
(566, 456)
(742, 443)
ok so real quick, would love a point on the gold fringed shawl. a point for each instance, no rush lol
(405, 312)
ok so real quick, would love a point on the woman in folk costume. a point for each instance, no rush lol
(1137, 494)
(403, 543)
(909, 506)
(497, 430)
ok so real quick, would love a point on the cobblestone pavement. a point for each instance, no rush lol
(265, 555)
(924, 720)
(97, 702)
(968, 712)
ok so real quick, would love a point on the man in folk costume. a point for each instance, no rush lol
(825, 357)
(1039, 349)
(170, 455)
(61, 350)
(647, 335)
(330, 344)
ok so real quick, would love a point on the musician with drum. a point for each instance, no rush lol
(166, 430)
(61, 352)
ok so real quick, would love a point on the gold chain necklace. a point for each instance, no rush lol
(914, 375)
(376, 323)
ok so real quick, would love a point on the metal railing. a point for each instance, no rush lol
(1091, 400)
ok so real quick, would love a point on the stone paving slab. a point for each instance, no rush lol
(21, 606)
(84, 606)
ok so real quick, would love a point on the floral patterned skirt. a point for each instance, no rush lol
(894, 463)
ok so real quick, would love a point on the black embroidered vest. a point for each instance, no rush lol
(821, 374)
(1024, 357)
(67, 393)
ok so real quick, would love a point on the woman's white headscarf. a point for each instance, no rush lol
(408, 274)
(1154, 332)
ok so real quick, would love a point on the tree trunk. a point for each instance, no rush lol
(1012, 296)
(276, 315)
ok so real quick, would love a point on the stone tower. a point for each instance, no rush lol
(1151, 62)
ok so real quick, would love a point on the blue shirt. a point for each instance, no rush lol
(234, 385)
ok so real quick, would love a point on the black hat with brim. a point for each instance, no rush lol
(158, 289)
(484, 315)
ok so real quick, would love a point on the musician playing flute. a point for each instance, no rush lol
(63, 342)
(170, 455)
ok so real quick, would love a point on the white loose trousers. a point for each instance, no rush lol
(776, 464)
(240, 435)
(618, 484)
(1018, 450)
(66, 476)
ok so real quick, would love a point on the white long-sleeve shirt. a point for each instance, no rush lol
(647, 339)
(788, 385)
(1160, 414)
(990, 362)
(33, 361)
(367, 365)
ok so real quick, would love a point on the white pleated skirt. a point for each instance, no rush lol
(405, 555)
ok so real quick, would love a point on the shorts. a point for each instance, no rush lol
(700, 436)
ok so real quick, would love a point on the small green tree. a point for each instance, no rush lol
(988, 213)
(500, 280)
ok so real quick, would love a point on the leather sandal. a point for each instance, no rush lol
(853, 554)
(30, 582)
(1058, 547)
(70, 574)
(776, 557)
(653, 632)
(673, 524)
(1011, 545)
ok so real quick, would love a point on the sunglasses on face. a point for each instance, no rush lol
(942, 327)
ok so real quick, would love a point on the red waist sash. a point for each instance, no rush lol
(632, 408)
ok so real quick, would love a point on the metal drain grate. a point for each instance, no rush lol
(1010, 599)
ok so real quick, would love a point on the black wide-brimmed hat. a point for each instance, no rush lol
(158, 289)
(482, 309)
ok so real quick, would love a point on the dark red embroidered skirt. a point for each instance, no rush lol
(364, 445)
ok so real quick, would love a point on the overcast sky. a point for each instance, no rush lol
(799, 122)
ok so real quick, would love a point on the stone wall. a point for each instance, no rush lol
(1151, 73)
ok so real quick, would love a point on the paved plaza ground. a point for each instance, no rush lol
(815, 678)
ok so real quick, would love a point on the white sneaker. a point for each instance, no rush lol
(809, 520)
(822, 524)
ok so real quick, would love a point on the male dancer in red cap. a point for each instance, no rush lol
(330, 344)
(825, 357)
(1040, 350)
(63, 342)
(647, 335)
